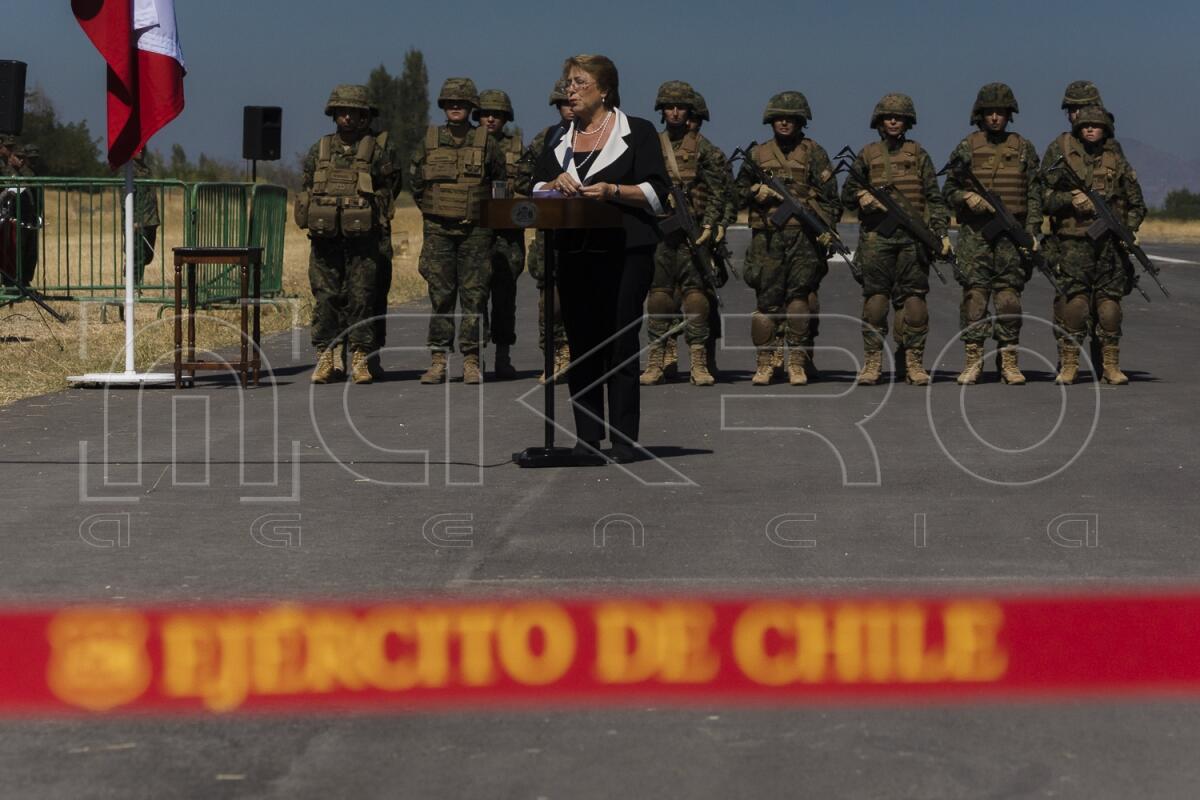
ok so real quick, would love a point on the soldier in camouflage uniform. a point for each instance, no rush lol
(32, 157)
(345, 196)
(1078, 95)
(1093, 274)
(695, 165)
(508, 249)
(7, 145)
(146, 219)
(452, 170)
(895, 268)
(383, 285)
(537, 259)
(1005, 163)
(785, 265)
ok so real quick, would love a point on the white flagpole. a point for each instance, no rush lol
(129, 253)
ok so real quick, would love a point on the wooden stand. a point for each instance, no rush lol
(249, 262)
(548, 215)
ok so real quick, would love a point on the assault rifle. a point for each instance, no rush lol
(1002, 223)
(790, 207)
(1108, 222)
(682, 221)
(900, 215)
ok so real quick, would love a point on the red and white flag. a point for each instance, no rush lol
(140, 43)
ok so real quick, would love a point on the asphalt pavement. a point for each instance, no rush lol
(906, 489)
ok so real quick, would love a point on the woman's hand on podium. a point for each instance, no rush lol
(566, 184)
(600, 191)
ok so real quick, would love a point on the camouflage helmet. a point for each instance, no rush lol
(1093, 115)
(993, 95)
(787, 104)
(701, 107)
(675, 93)
(900, 105)
(559, 93)
(494, 100)
(349, 95)
(30, 152)
(1081, 93)
(7, 140)
(458, 89)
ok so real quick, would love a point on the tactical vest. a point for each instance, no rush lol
(454, 176)
(791, 168)
(1101, 174)
(512, 159)
(342, 198)
(899, 170)
(1002, 169)
(683, 165)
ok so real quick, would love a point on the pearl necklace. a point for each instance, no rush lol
(599, 133)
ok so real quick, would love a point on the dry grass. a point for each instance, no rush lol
(1169, 231)
(37, 354)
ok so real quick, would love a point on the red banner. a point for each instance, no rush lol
(543, 652)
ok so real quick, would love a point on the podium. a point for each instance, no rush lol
(549, 214)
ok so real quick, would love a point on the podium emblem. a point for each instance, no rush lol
(524, 214)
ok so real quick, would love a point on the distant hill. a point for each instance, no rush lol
(1159, 171)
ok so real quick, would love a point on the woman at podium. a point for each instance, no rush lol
(603, 275)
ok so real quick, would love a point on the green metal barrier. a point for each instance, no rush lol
(65, 236)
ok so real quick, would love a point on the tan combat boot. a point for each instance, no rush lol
(360, 371)
(1010, 373)
(777, 355)
(472, 368)
(872, 368)
(326, 369)
(914, 371)
(437, 369)
(797, 376)
(810, 366)
(670, 365)
(503, 368)
(1111, 356)
(974, 365)
(1068, 370)
(653, 373)
(765, 369)
(700, 374)
(562, 360)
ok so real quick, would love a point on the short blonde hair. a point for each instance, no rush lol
(603, 70)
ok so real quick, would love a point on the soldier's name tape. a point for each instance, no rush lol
(399, 656)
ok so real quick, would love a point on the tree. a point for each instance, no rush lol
(67, 149)
(413, 100)
(1181, 204)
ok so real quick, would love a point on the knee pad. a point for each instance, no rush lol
(916, 313)
(1008, 302)
(695, 305)
(1075, 313)
(875, 310)
(660, 303)
(1109, 314)
(974, 304)
(797, 316)
(762, 329)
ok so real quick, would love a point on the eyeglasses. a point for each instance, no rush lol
(579, 84)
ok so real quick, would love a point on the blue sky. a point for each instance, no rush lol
(1143, 56)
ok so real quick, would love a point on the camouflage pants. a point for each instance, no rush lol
(383, 287)
(537, 268)
(508, 261)
(893, 270)
(343, 274)
(676, 276)
(785, 269)
(143, 252)
(996, 273)
(1093, 277)
(457, 266)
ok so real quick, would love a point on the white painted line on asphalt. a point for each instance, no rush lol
(1171, 260)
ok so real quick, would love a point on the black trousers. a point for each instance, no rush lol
(603, 295)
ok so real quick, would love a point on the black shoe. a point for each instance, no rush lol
(627, 454)
(587, 454)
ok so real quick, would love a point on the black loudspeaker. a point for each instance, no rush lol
(12, 96)
(262, 128)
